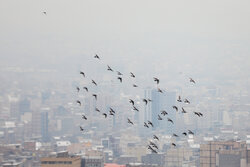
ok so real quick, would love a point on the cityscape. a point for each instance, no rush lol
(152, 97)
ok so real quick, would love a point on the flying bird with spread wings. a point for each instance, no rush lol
(82, 73)
(156, 80)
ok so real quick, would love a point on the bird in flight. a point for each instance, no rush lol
(150, 123)
(119, 73)
(159, 90)
(110, 69)
(84, 117)
(183, 110)
(191, 80)
(82, 73)
(145, 100)
(156, 80)
(179, 99)
(155, 137)
(134, 85)
(111, 110)
(78, 101)
(152, 150)
(96, 109)
(95, 95)
(45, 13)
(97, 57)
(186, 101)
(170, 120)
(136, 109)
(105, 115)
(132, 75)
(81, 129)
(120, 78)
(175, 107)
(86, 89)
(173, 144)
(130, 122)
(196, 113)
(149, 100)
(111, 113)
(131, 101)
(94, 82)
(78, 89)
(190, 132)
(159, 117)
(146, 125)
(175, 135)
(163, 112)
(184, 133)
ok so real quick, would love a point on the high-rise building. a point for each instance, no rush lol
(44, 126)
(160, 101)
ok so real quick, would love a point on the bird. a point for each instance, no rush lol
(94, 82)
(183, 110)
(78, 89)
(159, 117)
(191, 80)
(82, 73)
(190, 132)
(175, 107)
(184, 133)
(131, 101)
(119, 73)
(95, 95)
(136, 109)
(111, 110)
(120, 78)
(170, 120)
(173, 144)
(86, 89)
(163, 112)
(146, 125)
(78, 101)
(110, 69)
(97, 57)
(130, 122)
(134, 85)
(200, 114)
(96, 109)
(155, 137)
(105, 115)
(145, 100)
(84, 117)
(186, 101)
(159, 90)
(175, 135)
(111, 113)
(132, 75)
(196, 113)
(153, 150)
(149, 100)
(81, 129)
(179, 99)
(150, 123)
(156, 80)
(45, 13)
(155, 146)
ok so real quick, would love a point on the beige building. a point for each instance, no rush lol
(61, 162)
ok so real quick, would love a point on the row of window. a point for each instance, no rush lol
(56, 162)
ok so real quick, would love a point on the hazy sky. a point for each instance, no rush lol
(181, 32)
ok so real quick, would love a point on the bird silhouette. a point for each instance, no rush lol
(200, 114)
(159, 117)
(152, 150)
(130, 122)
(184, 133)
(173, 144)
(136, 109)
(146, 125)
(111, 110)
(190, 132)
(191, 80)
(97, 57)
(196, 113)
(111, 113)
(145, 100)
(149, 100)
(179, 99)
(78, 89)
(105, 115)
(186, 101)
(150, 123)
(132, 75)
(81, 129)
(131, 101)
(84, 117)
(78, 101)
(175, 135)
(45, 13)
(159, 90)
(155, 137)
(175, 107)
(119, 73)
(96, 109)
(156, 80)
(110, 69)
(163, 112)
(86, 89)
(120, 78)
(94, 82)
(170, 120)
(134, 85)
(82, 73)
(95, 95)
(183, 110)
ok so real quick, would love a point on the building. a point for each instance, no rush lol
(224, 154)
(91, 161)
(153, 159)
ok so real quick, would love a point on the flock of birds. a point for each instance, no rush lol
(152, 146)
